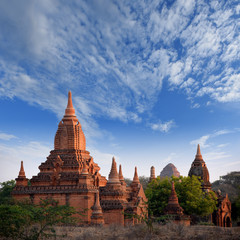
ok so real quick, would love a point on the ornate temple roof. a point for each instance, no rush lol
(199, 169)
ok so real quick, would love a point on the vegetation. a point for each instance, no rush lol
(142, 179)
(229, 184)
(5, 191)
(190, 195)
(24, 220)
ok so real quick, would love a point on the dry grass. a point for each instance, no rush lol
(170, 231)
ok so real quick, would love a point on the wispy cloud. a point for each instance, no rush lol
(31, 153)
(203, 140)
(118, 54)
(169, 158)
(216, 155)
(5, 136)
(163, 126)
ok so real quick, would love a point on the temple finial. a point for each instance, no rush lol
(135, 178)
(113, 175)
(21, 172)
(70, 109)
(120, 173)
(198, 150)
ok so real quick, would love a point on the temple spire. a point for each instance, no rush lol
(21, 180)
(113, 175)
(21, 172)
(173, 206)
(152, 174)
(198, 150)
(121, 178)
(70, 111)
(97, 214)
(135, 178)
(199, 155)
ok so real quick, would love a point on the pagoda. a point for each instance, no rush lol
(71, 177)
(199, 169)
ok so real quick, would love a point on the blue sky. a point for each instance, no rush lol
(150, 80)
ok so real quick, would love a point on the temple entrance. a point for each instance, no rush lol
(228, 222)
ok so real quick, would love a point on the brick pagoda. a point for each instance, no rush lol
(70, 176)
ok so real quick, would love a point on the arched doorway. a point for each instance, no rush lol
(228, 222)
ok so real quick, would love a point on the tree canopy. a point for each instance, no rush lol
(25, 220)
(5, 191)
(190, 195)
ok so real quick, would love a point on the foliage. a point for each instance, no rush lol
(236, 209)
(229, 184)
(142, 179)
(190, 195)
(24, 220)
(5, 191)
(158, 192)
(128, 181)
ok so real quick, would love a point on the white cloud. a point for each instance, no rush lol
(203, 140)
(216, 155)
(5, 136)
(169, 158)
(163, 126)
(195, 105)
(31, 153)
(119, 57)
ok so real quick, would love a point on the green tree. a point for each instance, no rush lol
(236, 208)
(24, 220)
(5, 191)
(158, 192)
(190, 195)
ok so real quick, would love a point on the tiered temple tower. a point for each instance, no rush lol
(70, 176)
(221, 216)
(199, 168)
(173, 208)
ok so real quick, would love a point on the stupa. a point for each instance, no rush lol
(199, 168)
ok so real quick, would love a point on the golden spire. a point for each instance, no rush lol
(135, 178)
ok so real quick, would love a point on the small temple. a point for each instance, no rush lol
(173, 208)
(222, 216)
(71, 177)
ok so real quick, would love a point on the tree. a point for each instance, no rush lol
(190, 195)
(229, 184)
(5, 191)
(24, 220)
